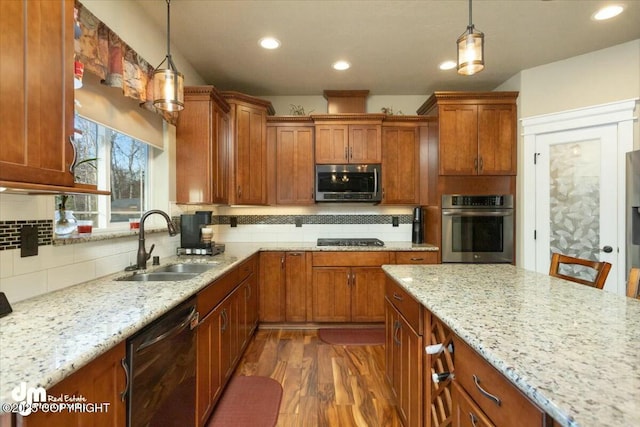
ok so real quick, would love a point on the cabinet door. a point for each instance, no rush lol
(497, 139)
(36, 91)
(208, 373)
(390, 330)
(220, 162)
(101, 381)
(250, 295)
(411, 374)
(367, 294)
(272, 287)
(251, 155)
(296, 287)
(295, 167)
(194, 142)
(331, 294)
(365, 144)
(458, 125)
(401, 166)
(332, 144)
(465, 412)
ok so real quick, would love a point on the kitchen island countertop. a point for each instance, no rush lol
(572, 349)
(50, 336)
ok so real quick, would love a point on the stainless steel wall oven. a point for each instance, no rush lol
(477, 229)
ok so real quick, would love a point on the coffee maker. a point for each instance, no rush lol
(192, 241)
(417, 234)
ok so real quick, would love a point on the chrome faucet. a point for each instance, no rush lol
(143, 255)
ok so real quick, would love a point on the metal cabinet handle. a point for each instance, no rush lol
(475, 164)
(396, 329)
(348, 278)
(481, 165)
(72, 166)
(488, 395)
(239, 191)
(346, 153)
(397, 297)
(474, 419)
(123, 393)
(295, 253)
(417, 259)
(351, 152)
(224, 319)
(282, 261)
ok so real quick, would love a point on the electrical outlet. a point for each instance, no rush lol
(395, 221)
(233, 221)
(28, 240)
(298, 222)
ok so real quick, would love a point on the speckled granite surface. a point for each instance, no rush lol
(573, 350)
(48, 337)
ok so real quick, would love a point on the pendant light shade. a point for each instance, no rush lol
(470, 50)
(168, 83)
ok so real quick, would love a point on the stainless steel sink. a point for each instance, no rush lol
(158, 276)
(186, 268)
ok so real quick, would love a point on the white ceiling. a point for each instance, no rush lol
(394, 46)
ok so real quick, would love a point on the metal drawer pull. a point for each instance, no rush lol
(474, 419)
(123, 393)
(417, 259)
(488, 395)
(398, 297)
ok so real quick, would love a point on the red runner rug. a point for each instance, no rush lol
(248, 401)
(352, 336)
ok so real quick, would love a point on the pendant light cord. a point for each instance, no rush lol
(470, 21)
(169, 27)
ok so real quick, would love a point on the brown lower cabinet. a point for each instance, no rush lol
(101, 382)
(348, 287)
(283, 286)
(228, 310)
(403, 352)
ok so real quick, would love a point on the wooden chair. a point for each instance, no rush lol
(602, 269)
(633, 284)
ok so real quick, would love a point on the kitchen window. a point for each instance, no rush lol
(113, 160)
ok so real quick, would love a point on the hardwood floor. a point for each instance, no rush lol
(323, 385)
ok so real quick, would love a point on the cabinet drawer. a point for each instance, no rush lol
(212, 295)
(417, 257)
(514, 408)
(406, 305)
(247, 268)
(350, 259)
(465, 412)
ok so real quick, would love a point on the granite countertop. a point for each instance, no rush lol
(48, 337)
(572, 349)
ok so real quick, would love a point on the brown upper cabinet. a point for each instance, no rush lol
(248, 135)
(348, 138)
(290, 164)
(36, 92)
(400, 163)
(476, 132)
(202, 147)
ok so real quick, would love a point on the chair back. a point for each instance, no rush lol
(633, 284)
(601, 268)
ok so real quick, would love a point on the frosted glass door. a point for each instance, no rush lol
(576, 197)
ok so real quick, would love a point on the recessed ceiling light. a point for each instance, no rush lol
(341, 65)
(608, 12)
(448, 65)
(269, 43)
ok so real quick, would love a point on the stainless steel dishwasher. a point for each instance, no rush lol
(162, 370)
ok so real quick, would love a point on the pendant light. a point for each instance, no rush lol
(470, 50)
(168, 83)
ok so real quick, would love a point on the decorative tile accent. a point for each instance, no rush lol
(10, 232)
(310, 219)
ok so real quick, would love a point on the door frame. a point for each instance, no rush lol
(619, 113)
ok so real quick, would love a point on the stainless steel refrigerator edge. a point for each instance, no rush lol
(633, 210)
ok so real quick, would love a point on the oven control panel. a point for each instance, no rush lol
(462, 201)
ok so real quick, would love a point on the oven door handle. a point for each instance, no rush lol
(477, 213)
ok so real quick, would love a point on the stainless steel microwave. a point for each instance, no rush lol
(348, 183)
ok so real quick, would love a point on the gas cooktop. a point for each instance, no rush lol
(350, 242)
